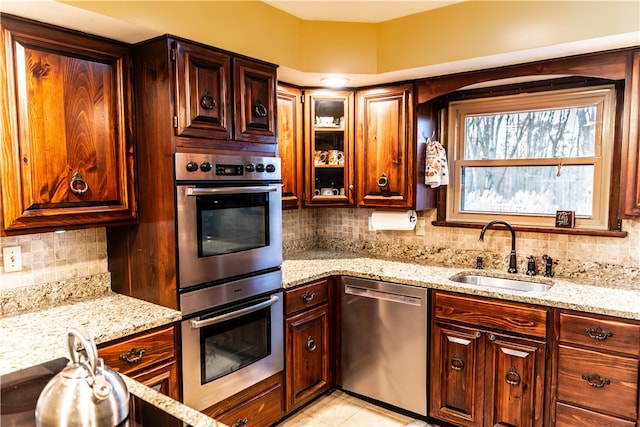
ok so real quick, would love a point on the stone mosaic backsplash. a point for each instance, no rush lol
(56, 256)
(60, 257)
(577, 257)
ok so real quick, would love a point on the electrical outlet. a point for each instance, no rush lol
(12, 259)
(421, 225)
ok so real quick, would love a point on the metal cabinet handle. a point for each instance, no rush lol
(383, 181)
(259, 109)
(492, 337)
(595, 380)
(134, 355)
(78, 185)
(207, 101)
(308, 296)
(311, 344)
(512, 377)
(457, 364)
(598, 334)
(241, 422)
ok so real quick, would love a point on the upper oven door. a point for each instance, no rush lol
(227, 231)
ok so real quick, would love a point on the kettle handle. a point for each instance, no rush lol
(79, 334)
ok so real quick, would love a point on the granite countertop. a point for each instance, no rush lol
(615, 298)
(39, 334)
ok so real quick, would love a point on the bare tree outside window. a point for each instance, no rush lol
(531, 155)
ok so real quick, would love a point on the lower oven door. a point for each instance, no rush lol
(226, 351)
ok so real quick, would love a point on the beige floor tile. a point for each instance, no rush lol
(339, 409)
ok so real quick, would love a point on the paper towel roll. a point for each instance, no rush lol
(393, 220)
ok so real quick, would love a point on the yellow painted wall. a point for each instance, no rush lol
(476, 29)
(468, 30)
(339, 47)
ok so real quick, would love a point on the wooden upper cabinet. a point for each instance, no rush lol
(255, 94)
(329, 148)
(204, 96)
(67, 157)
(290, 144)
(630, 179)
(385, 147)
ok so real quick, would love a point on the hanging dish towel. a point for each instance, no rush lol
(436, 171)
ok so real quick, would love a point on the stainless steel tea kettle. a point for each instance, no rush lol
(85, 393)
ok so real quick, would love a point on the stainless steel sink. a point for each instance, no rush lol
(498, 282)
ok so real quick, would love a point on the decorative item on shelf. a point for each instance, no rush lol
(320, 157)
(325, 121)
(566, 219)
(336, 157)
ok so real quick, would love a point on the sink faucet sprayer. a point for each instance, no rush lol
(512, 256)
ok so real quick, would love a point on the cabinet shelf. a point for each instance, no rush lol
(328, 129)
(329, 166)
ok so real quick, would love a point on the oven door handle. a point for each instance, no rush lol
(205, 191)
(196, 324)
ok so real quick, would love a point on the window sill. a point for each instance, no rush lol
(550, 230)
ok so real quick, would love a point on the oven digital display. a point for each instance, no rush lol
(233, 170)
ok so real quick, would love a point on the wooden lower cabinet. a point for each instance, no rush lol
(308, 355)
(257, 406)
(598, 368)
(481, 377)
(148, 357)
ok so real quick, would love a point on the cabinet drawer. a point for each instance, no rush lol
(615, 392)
(306, 296)
(259, 405)
(504, 316)
(139, 351)
(570, 416)
(609, 335)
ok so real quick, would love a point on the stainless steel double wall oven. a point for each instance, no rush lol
(229, 218)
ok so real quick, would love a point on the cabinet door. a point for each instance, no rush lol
(290, 145)
(255, 100)
(67, 156)
(385, 147)
(308, 372)
(329, 148)
(515, 375)
(163, 379)
(204, 95)
(457, 374)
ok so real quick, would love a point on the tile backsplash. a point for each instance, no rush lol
(51, 257)
(56, 256)
(572, 252)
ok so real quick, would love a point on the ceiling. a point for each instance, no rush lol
(355, 10)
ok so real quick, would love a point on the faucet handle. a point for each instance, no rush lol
(548, 267)
(531, 266)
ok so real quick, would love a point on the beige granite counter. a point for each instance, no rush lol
(615, 298)
(35, 323)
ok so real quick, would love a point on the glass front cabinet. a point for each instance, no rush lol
(329, 144)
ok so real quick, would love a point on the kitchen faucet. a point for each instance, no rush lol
(512, 256)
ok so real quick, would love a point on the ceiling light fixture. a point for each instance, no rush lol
(335, 81)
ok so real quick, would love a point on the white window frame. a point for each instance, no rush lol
(604, 97)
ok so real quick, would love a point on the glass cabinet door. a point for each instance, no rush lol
(329, 143)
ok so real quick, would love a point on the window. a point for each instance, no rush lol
(523, 157)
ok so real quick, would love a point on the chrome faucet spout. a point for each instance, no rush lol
(512, 256)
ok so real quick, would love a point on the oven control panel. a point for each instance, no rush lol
(217, 167)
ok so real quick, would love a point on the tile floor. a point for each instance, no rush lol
(340, 409)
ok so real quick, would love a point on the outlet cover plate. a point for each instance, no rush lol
(12, 257)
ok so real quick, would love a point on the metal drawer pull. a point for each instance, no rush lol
(78, 185)
(308, 296)
(311, 344)
(457, 364)
(597, 333)
(241, 422)
(512, 377)
(134, 355)
(207, 101)
(595, 380)
(259, 109)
